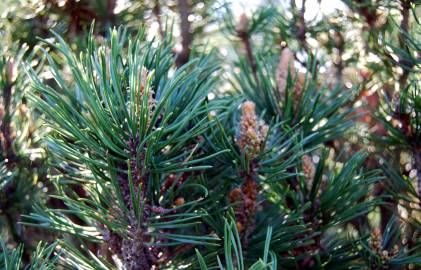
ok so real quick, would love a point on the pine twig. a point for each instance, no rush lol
(157, 12)
(184, 10)
(5, 129)
(301, 34)
(340, 44)
(243, 34)
(406, 5)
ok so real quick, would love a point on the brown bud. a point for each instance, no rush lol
(179, 201)
(243, 24)
(299, 84)
(240, 227)
(384, 255)
(234, 195)
(309, 170)
(252, 131)
(23, 109)
(286, 63)
(395, 251)
(376, 233)
(365, 74)
(249, 108)
(376, 240)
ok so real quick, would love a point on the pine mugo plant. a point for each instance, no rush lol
(22, 159)
(43, 258)
(124, 123)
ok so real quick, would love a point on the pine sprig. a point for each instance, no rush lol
(117, 135)
(233, 252)
(43, 258)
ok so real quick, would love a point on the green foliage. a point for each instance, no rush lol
(121, 130)
(296, 148)
(388, 255)
(232, 245)
(22, 160)
(43, 258)
(305, 105)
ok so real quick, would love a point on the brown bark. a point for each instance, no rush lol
(157, 12)
(249, 52)
(405, 5)
(184, 9)
(5, 129)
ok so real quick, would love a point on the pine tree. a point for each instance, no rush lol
(23, 173)
(26, 21)
(130, 135)
(296, 148)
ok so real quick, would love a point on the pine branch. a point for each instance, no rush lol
(5, 128)
(340, 46)
(243, 33)
(139, 122)
(157, 12)
(404, 27)
(301, 34)
(44, 257)
(184, 10)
